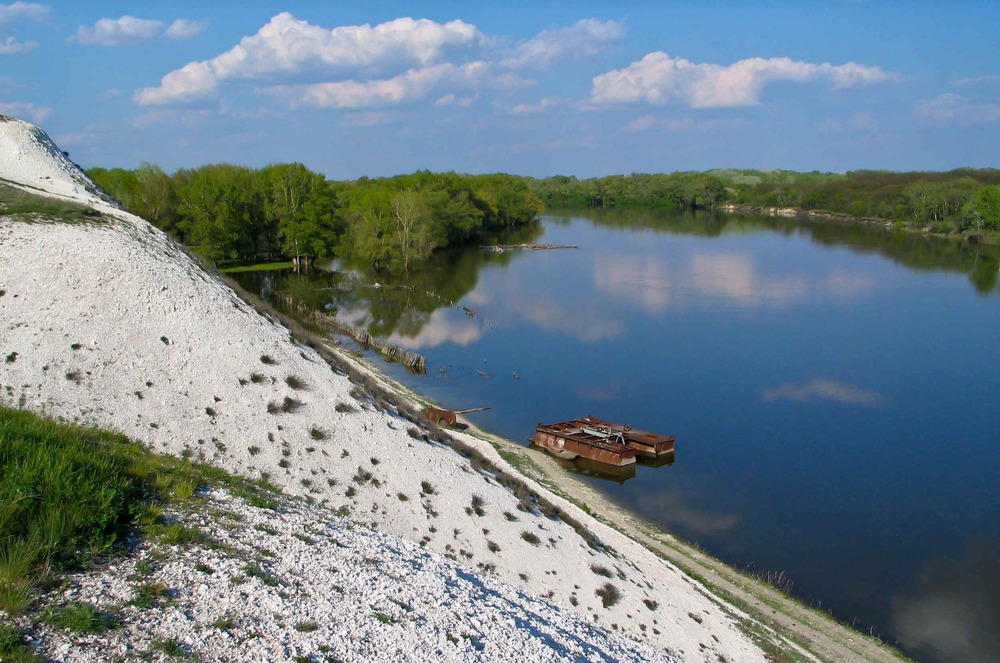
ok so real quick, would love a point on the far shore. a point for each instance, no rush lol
(822, 215)
(779, 623)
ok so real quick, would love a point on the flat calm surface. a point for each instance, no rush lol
(833, 391)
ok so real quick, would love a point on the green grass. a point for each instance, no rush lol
(256, 266)
(25, 206)
(12, 645)
(79, 618)
(71, 495)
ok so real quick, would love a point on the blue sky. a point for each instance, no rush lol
(534, 88)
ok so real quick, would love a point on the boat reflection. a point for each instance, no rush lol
(593, 469)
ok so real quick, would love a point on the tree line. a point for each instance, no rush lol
(965, 200)
(228, 212)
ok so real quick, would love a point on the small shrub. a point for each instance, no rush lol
(257, 378)
(225, 623)
(149, 594)
(402, 497)
(295, 382)
(530, 537)
(74, 376)
(317, 433)
(306, 627)
(350, 492)
(345, 407)
(492, 546)
(608, 594)
(375, 461)
(477, 505)
(79, 618)
(600, 570)
(11, 358)
(168, 646)
(253, 450)
(426, 488)
(210, 411)
(283, 463)
(362, 476)
(266, 359)
(652, 605)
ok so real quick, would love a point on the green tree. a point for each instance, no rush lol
(301, 205)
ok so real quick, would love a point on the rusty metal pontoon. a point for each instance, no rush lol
(650, 445)
(602, 441)
(576, 438)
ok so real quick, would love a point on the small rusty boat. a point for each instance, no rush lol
(649, 445)
(581, 438)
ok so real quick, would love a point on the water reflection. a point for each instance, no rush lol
(981, 263)
(642, 279)
(604, 472)
(952, 613)
(759, 313)
(846, 286)
(737, 278)
(824, 389)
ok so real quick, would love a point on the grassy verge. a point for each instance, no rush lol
(69, 498)
(25, 206)
(242, 266)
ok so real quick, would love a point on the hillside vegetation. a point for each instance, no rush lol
(230, 212)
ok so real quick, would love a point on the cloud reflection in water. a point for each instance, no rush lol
(824, 389)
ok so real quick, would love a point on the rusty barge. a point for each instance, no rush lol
(602, 441)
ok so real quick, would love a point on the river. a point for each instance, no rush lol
(832, 388)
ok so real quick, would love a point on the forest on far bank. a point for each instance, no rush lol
(965, 200)
(228, 212)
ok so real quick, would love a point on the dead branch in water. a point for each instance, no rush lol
(534, 247)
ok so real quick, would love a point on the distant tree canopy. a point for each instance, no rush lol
(230, 212)
(964, 199)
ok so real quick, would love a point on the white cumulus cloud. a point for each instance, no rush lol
(184, 28)
(540, 107)
(26, 111)
(119, 31)
(959, 109)
(13, 46)
(26, 10)
(585, 37)
(290, 47)
(659, 78)
(412, 85)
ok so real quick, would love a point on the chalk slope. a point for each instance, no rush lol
(114, 324)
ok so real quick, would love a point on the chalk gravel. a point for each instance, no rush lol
(113, 324)
(301, 582)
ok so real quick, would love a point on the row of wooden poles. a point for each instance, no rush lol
(411, 360)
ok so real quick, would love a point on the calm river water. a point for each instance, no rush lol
(833, 390)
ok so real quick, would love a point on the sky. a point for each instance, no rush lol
(534, 88)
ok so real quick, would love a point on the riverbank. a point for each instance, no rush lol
(838, 217)
(784, 627)
(117, 326)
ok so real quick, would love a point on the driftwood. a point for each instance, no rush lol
(414, 362)
(535, 247)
